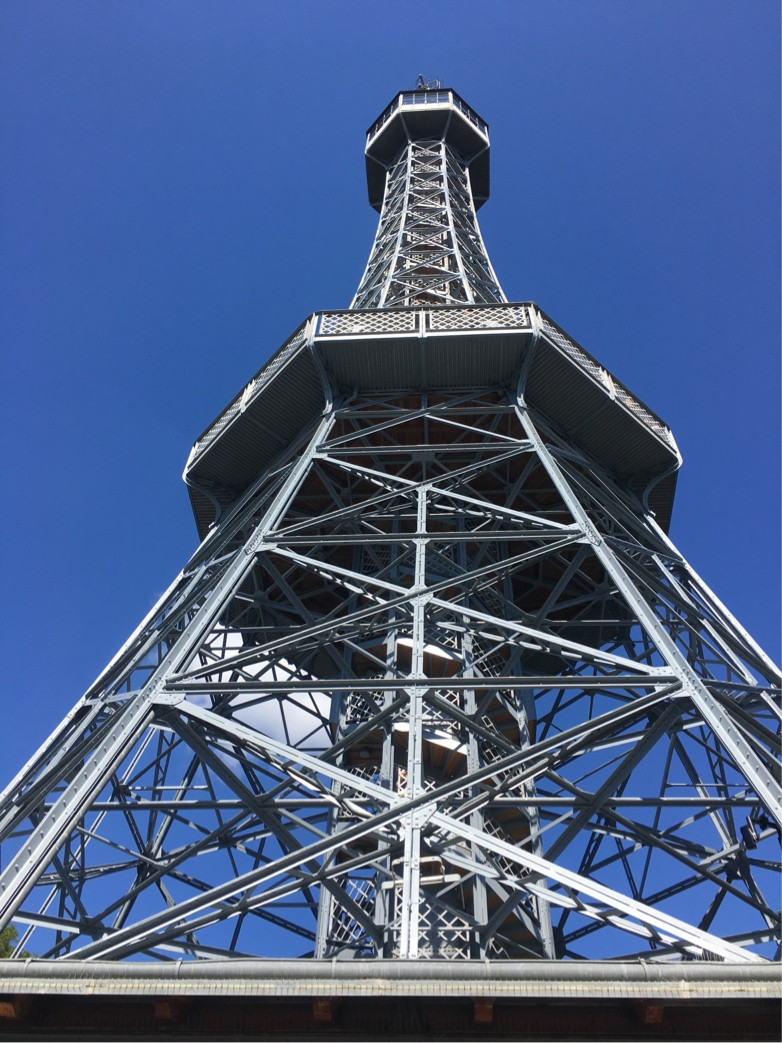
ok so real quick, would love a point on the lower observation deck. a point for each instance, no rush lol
(429, 350)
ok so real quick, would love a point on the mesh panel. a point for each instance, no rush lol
(587, 363)
(251, 390)
(443, 933)
(338, 324)
(479, 318)
(345, 930)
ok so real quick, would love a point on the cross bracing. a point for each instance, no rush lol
(428, 248)
(403, 702)
(436, 684)
(429, 151)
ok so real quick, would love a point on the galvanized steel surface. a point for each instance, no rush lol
(435, 686)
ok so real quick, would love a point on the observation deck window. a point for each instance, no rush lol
(435, 97)
(428, 98)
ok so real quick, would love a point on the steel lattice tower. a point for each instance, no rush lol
(435, 683)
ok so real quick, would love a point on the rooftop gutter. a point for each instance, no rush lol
(533, 979)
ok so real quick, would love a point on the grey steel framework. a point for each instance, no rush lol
(436, 683)
(428, 248)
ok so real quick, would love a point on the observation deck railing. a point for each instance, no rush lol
(427, 97)
(434, 321)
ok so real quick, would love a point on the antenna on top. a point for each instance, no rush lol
(422, 84)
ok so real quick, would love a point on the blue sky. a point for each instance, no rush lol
(183, 182)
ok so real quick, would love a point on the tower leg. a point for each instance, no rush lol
(436, 687)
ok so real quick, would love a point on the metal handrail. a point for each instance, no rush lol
(351, 322)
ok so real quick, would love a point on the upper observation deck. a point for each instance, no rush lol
(422, 115)
(427, 158)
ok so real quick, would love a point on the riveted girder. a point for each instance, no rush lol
(436, 684)
(428, 249)
(436, 688)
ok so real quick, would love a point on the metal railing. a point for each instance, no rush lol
(413, 321)
(615, 388)
(248, 392)
(427, 97)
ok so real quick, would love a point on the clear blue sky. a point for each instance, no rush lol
(183, 182)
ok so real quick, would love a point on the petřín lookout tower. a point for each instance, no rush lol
(436, 685)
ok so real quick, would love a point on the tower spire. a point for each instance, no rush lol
(427, 160)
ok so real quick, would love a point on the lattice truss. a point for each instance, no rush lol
(437, 686)
(428, 249)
